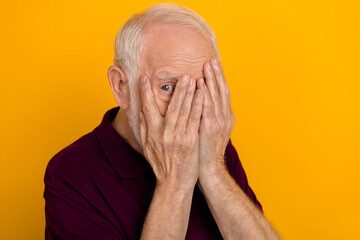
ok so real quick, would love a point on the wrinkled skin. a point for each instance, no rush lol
(178, 144)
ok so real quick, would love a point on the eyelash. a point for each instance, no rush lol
(167, 85)
(174, 86)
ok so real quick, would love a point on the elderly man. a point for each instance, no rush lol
(160, 165)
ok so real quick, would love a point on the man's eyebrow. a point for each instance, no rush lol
(168, 76)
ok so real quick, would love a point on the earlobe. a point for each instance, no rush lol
(119, 86)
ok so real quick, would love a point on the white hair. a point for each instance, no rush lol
(129, 44)
(130, 39)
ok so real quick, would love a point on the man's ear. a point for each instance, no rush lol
(119, 86)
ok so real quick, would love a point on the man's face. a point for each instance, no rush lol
(169, 52)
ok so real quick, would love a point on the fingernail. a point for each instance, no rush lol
(191, 81)
(184, 79)
(198, 94)
(143, 80)
(208, 67)
(215, 62)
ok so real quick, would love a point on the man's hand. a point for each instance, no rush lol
(170, 143)
(217, 118)
(234, 213)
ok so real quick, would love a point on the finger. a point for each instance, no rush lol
(212, 86)
(208, 108)
(176, 101)
(221, 82)
(193, 122)
(186, 107)
(142, 129)
(149, 107)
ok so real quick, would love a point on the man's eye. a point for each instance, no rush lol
(168, 88)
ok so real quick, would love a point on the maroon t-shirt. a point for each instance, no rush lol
(99, 187)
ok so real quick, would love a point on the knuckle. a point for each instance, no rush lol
(227, 90)
(218, 130)
(189, 126)
(194, 117)
(216, 127)
(146, 107)
(166, 139)
(172, 107)
(232, 120)
(198, 100)
(221, 127)
(209, 112)
(230, 129)
(183, 112)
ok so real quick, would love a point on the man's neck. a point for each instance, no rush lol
(122, 127)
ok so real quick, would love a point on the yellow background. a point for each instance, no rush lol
(293, 71)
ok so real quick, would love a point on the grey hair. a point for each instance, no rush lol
(129, 42)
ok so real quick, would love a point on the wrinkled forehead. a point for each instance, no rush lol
(175, 50)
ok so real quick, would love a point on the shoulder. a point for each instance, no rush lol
(237, 172)
(232, 160)
(74, 158)
(234, 166)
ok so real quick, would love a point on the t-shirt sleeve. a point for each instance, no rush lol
(236, 170)
(69, 214)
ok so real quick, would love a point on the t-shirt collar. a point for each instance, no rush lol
(127, 162)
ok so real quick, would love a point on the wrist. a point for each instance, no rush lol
(175, 187)
(214, 168)
(210, 176)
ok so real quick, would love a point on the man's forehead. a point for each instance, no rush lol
(167, 40)
(170, 52)
(175, 76)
